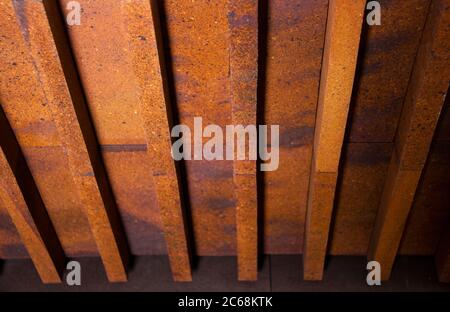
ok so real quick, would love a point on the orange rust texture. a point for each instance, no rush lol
(338, 70)
(11, 246)
(243, 23)
(430, 211)
(360, 185)
(144, 46)
(23, 100)
(423, 104)
(387, 57)
(318, 218)
(199, 47)
(27, 211)
(388, 53)
(105, 66)
(295, 36)
(199, 41)
(44, 36)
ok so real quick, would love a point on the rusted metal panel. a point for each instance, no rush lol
(24, 103)
(146, 48)
(43, 34)
(130, 173)
(199, 53)
(399, 189)
(423, 104)
(387, 57)
(105, 66)
(20, 197)
(243, 23)
(430, 211)
(11, 246)
(295, 35)
(359, 188)
(338, 70)
(318, 218)
(198, 43)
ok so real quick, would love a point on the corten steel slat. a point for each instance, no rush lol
(423, 103)
(145, 45)
(199, 48)
(43, 32)
(24, 104)
(338, 70)
(104, 64)
(243, 23)
(295, 36)
(20, 197)
(388, 53)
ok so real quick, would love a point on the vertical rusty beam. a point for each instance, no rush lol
(147, 51)
(243, 23)
(338, 70)
(20, 197)
(423, 103)
(43, 32)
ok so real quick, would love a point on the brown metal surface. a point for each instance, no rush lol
(338, 70)
(423, 104)
(20, 197)
(154, 103)
(243, 23)
(104, 63)
(359, 188)
(387, 57)
(24, 103)
(295, 35)
(44, 36)
(209, 51)
(430, 211)
(199, 44)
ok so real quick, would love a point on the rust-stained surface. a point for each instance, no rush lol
(338, 70)
(430, 213)
(154, 104)
(24, 103)
(44, 37)
(358, 192)
(388, 53)
(423, 104)
(295, 35)
(243, 23)
(101, 50)
(318, 218)
(199, 45)
(228, 65)
(11, 246)
(20, 197)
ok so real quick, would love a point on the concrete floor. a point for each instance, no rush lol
(277, 273)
